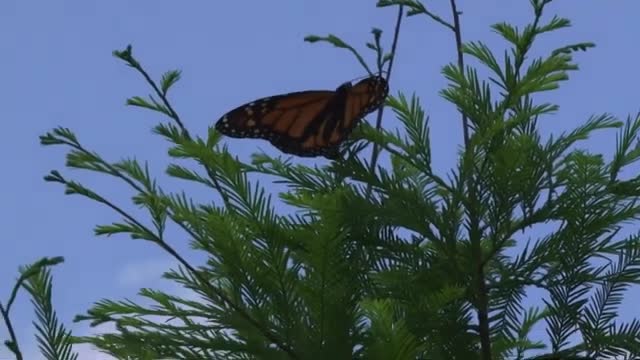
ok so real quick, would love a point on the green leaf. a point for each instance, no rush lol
(390, 338)
(339, 43)
(556, 23)
(482, 52)
(412, 116)
(141, 102)
(127, 56)
(415, 7)
(168, 79)
(331, 39)
(54, 340)
(573, 48)
(625, 155)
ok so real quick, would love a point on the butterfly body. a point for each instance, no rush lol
(306, 123)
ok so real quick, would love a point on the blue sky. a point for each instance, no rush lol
(58, 70)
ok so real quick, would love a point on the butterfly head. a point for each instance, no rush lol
(377, 84)
(381, 84)
(378, 87)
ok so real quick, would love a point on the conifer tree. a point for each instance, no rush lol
(384, 259)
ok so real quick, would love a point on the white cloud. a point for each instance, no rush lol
(141, 274)
(87, 351)
(84, 351)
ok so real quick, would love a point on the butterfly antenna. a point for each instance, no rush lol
(359, 78)
(366, 76)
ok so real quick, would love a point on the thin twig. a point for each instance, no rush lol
(164, 245)
(12, 334)
(14, 293)
(376, 148)
(205, 283)
(166, 103)
(359, 58)
(458, 34)
(176, 118)
(438, 19)
(419, 8)
(433, 177)
(475, 233)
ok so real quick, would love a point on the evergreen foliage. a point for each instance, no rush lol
(383, 262)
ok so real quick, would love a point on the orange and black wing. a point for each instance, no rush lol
(284, 120)
(350, 104)
(306, 123)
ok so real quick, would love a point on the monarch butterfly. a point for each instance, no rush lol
(307, 123)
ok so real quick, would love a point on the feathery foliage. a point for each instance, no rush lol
(386, 262)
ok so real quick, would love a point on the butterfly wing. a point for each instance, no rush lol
(316, 139)
(306, 123)
(343, 113)
(284, 120)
